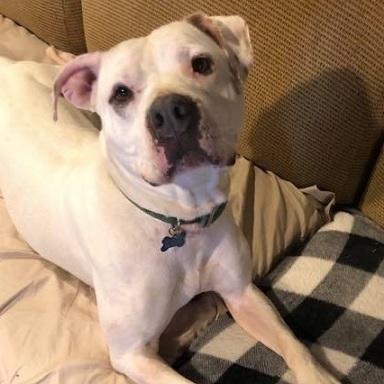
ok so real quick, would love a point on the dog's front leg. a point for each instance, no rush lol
(252, 311)
(132, 320)
(146, 367)
(138, 360)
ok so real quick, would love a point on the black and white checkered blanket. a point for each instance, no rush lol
(331, 294)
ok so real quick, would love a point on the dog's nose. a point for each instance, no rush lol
(171, 115)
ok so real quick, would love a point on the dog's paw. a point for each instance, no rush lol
(316, 375)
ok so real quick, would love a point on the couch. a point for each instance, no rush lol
(314, 116)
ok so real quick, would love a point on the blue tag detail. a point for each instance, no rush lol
(177, 240)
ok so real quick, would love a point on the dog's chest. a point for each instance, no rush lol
(136, 256)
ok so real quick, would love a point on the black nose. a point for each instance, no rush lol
(172, 115)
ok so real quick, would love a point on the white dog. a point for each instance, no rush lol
(138, 210)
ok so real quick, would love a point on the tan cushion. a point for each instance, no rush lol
(274, 215)
(314, 97)
(17, 43)
(373, 200)
(57, 22)
(49, 331)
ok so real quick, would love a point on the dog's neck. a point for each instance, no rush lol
(194, 193)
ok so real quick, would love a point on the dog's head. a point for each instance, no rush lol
(169, 102)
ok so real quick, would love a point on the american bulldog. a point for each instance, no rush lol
(138, 210)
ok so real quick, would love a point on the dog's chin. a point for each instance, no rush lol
(188, 167)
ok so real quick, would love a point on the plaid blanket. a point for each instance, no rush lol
(331, 293)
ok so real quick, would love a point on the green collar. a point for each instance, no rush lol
(176, 231)
(202, 221)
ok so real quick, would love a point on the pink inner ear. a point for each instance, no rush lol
(77, 89)
(76, 80)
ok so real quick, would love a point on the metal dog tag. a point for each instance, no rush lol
(177, 238)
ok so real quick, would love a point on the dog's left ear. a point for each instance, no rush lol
(76, 81)
(231, 33)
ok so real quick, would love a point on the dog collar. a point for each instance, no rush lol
(176, 231)
(202, 221)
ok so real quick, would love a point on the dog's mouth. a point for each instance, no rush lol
(186, 154)
(182, 138)
(174, 157)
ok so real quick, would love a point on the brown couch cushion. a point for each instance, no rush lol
(314, 97)
(373, 201)
(57, 22)
(273, 214)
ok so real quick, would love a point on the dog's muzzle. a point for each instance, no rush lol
(174, 121)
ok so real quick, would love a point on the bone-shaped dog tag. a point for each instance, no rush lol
(176, 240)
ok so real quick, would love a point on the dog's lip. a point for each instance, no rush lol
(186, 151)
(183, 166)
(188, 160)
(232, 160)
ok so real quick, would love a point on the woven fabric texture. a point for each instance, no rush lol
(57, 22)
(341, 322)
(373, 201)
(314, 96)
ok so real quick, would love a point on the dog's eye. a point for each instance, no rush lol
(121, 94)
(202, 65)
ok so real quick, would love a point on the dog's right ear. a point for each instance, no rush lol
(76, 81)
(231, 33)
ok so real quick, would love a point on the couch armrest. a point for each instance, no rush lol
(57, 22)
(372, 203)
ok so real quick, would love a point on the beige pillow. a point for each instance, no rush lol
(49, 331)
(273, 214)
(17, 43)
